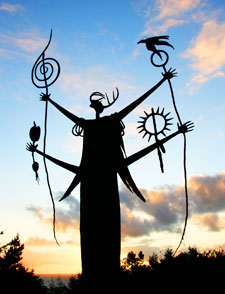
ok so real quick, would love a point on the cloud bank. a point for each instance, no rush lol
(164, 209)
(207, 52)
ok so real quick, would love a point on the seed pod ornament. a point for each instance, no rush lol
(35, 133)
(35, 167)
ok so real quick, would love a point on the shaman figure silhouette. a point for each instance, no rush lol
(103, 158)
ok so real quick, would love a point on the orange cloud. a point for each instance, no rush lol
(170, 13)
(168, 8)
(212, 222)
(37, 241)
(207, 52)
(207, 193)
(164, 209)
(53, 260)
(66, 219)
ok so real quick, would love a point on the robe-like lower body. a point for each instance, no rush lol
(100, 227)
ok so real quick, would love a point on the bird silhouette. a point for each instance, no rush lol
(153, 41)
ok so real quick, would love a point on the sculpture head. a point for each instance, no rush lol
(97, 103)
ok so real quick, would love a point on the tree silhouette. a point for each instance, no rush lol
(14, 277)
(188, 271)
(11, 255)
(132, 261)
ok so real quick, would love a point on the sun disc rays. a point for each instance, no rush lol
(154, 123)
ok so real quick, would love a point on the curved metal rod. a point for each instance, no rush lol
(33, 75)
(184, 163)
(42, 53)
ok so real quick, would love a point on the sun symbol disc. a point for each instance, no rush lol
(154, 123)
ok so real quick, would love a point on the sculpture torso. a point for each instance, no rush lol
(103, 143)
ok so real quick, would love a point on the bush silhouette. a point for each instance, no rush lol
(14, 277)
(188, 271)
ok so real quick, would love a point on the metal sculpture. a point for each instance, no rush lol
(154, 131)
(103, 157)
(151, 44)
(44, 74)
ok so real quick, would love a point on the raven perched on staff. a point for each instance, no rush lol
(153, 41)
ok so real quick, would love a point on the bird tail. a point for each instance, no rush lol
(158, 53)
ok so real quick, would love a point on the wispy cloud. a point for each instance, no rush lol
(207, 53)
(94, 78)
(37, 241)
(207, 193)
(65, 218)
(207, 49)
(211, 222)
(11, 7)
(21, 44)
(174, 8)
(28, 42)
(169, 13)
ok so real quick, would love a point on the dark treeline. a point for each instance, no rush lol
(185, 272)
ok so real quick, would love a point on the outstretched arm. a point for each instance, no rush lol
(68, 114)
(186, 127)
(73, 168)
(124, 112)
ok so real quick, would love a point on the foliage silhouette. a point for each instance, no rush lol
(188, 271)
(13, 275)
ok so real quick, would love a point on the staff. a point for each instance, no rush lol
(44, 73)
(151, 44)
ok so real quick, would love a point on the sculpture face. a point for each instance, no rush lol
(97, 105)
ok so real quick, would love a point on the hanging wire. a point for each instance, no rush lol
(184, 162)
(163, 65)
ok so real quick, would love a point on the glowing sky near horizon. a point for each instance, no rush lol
(95, 43)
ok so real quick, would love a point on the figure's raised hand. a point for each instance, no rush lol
(171, 73)
(44, 97)
(186, 127)
(31, 147)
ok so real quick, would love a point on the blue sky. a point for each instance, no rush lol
(95, 43)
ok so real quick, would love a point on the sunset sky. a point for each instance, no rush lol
(95, 43)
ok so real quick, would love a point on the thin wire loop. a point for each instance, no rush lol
(163, 62)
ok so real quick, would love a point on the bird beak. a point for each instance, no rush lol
(141, 41)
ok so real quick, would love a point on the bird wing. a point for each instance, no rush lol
(156, 38)
(129, 182)
(72, 186)
(159, 42)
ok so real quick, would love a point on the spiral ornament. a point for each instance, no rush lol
(45, 72)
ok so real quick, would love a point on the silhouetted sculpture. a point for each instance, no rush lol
(103, 157)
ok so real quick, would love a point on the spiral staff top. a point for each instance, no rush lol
(43, 75)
